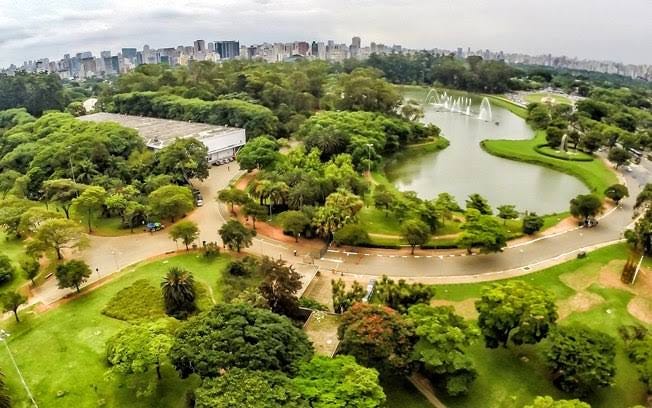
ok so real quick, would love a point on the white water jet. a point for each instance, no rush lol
(485, 110)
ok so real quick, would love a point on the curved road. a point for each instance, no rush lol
(110, 254)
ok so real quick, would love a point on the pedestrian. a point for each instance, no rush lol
(295, 252)
(228, 168)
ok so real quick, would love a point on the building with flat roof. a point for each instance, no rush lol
(222, 142)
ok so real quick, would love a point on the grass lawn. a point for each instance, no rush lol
(13, 248)
(63, 349)
(401, 393)
(594, 174)
(502, 371)
(549, 97)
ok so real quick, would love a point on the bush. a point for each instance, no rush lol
(6, 269)
(310, 303)
(546, 150)
(351, 234)
(211, 250)
(140, 301)
(243, 267)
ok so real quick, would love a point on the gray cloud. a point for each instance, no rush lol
(584, 28)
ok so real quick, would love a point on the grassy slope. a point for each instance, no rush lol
(12, 248)
(538, 96)
(63, 349)
(502, 371)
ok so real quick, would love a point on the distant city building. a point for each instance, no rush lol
(227, 49)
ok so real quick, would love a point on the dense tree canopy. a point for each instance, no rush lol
(34, 92)
(401, 295)
(582, 360)
(515, 311)
(377, 337)
(338, 382)
(482, 231)
(241, 336)
(443, 339)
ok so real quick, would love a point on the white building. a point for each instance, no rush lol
(223, 142)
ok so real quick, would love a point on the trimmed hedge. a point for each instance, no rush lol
(546, 150)
(256, 119)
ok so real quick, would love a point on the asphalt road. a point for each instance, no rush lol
(107, 255)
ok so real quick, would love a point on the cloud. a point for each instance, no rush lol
(587, 28)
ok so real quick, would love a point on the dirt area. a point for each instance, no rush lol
(641, 305)
(464, 308)
(321, 329)
(580, 279)
(579, 302)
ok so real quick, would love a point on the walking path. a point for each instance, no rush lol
(107, 255)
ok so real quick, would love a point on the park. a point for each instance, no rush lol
(419, 207)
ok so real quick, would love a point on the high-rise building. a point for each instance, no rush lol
(211, 47)
(302, 48)
(199, 46)
(356, 42)
(227, 49)
(105, 54)
(129, 54)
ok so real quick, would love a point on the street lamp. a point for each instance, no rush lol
(369, 146)
(3, 338)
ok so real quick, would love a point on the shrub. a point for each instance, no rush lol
(140, 301)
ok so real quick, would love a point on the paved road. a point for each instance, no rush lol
(110, 254)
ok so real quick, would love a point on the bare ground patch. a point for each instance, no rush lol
(580, 279)
(464, 308)
(641, 308)
(579, 302)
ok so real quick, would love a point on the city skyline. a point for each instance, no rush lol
(50, 29)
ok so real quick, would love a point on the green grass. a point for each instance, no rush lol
(505, 103)
(538, 96)
(568, 155)
(594, 174)
(13, 248)
(63, 349)
(401, 393)
(502, 371)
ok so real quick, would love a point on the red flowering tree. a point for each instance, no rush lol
(377, 336)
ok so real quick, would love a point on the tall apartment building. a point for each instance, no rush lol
(227, 49)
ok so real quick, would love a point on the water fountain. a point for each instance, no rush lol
(485, 110)
(562, 145)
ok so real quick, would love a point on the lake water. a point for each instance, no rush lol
(464, 168)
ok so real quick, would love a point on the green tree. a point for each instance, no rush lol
(11, 301)
(618, 156)
(260, 153)
(365, 90)
(641, 236)
(5, 399)
(233, 196)
(184, 159)
(343, 299)
(56, 234)
(62, 192)
(179, 295)
(11, 212)
(170, 202)
(7, 269)
(32, 219)
(402, 295)
(645, 196)
(340, 209)
(377, 336)
(139, 348)
(515, 311)
(445, 205)
(507, 212)
(383, 198)
(338, 382)
(581, 359)
(479, 203)
(532, 223)
(7, 181)
(280, 286)
(255, 211)
(249, 389)
(482, 231)
(415, 232)
(351, 234)
(187, 231)
(72, 274)
(89, 202)
(441, 348)
(30, 266)
(295, 222)
(616, 192)
(236, 236)
(135, 213)
(76, 109)
(548, 402)
(585, 206)
(638, 347)
(238, 335)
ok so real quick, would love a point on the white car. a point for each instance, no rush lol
(629, 169)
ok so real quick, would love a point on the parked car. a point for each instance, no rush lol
(154, 226)
(199, 200)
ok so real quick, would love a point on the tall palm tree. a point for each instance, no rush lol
(178, 289)
(5, 400)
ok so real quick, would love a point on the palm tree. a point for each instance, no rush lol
(5, 400)
(178, 289)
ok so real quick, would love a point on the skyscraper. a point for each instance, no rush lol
(199, 46)
(227, 49)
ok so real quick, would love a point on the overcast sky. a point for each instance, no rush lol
(598, 29)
